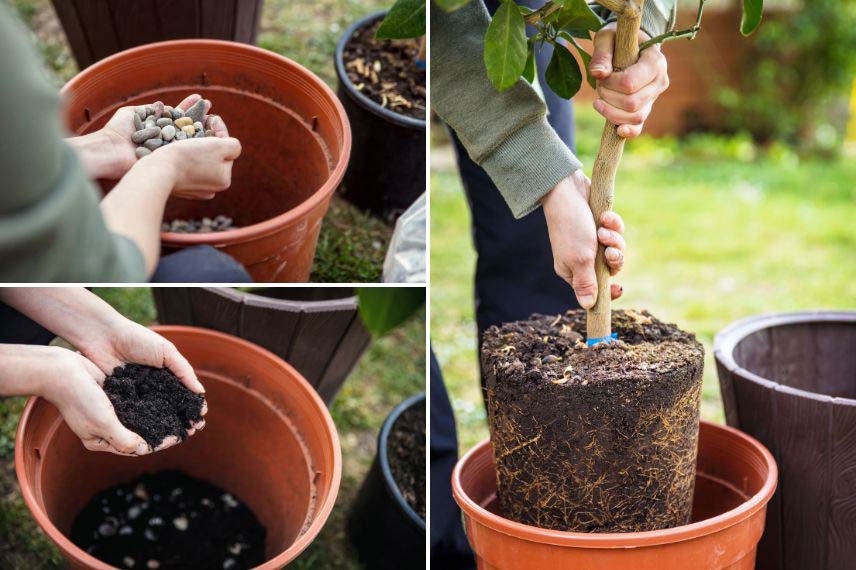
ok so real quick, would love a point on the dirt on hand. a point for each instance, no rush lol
(152, 402)
(386, 72)
(406, 453)
(170, 521)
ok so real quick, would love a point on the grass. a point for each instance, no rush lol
(717, 230)
(352, 243)
(392, 370)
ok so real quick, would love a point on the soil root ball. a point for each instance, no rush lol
(594, 439)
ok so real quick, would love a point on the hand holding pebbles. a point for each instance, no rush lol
(157, 125)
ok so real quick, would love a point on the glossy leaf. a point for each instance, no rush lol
(584, 55)
(451, 5)
(752, 10)
(406, 19)
(384, 308)
(529, 69)
(576, 15)
(563, 73)
(505, 46)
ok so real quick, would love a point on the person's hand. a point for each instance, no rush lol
(574, 239)
(625, 97)
(73, 384)
(109, 152)
(201, 167)
(123, 341)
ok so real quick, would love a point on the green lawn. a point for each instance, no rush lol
(392, 370)
(352, 243)
(716, 231)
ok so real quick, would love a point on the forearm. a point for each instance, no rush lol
(72, 313)
(26, 370)
(95, 154)
(135, 206)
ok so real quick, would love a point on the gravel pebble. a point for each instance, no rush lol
(154, 143)
(158, 109)
(176, 113)
(197, 111)
(168, 133)
(183, 122)
(180, 135)
(188, 130)
(142, 151)
(198, 126)
(138, 123)
(163, 121)
(141, 136)
(140, 111)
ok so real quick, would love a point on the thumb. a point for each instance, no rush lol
(585, 284)
(601, 59)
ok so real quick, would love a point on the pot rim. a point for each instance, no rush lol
(270, 225)
(321, 513)
(358, 96)
(728, 338)
(621, 539)
(232, 294)
(383, 456)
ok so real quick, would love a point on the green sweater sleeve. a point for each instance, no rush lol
(506, 133)
(51, 229)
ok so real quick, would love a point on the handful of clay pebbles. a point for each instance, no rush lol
(157, 125)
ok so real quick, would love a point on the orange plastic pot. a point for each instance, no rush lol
(269, 439)
(294, 132)
(736, 476)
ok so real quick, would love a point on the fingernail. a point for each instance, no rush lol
(586, 301)
(598, 67)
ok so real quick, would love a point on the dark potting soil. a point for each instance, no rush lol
(406, 454)
(594, 439)
(385, 71)
(170, 521)
(152, 402)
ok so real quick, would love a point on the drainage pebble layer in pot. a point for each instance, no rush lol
(262, 477)
(383, 91)
(789, 379)
(387, 521)
(294, 134)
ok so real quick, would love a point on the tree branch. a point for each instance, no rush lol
(677, 34)
(616, 6)
(546, 10)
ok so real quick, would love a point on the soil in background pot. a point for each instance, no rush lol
(170, 521)
(406, 453)
(385, 71)
(594, 439)
(152, 402)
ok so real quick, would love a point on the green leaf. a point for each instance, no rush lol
(752, 10)
(451, 5)
(563, 74)
(406, 19)
(583, 56)
(576, 15)
(384, 308)
(505, 46)
(529, 70)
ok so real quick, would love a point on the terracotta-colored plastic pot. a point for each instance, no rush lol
(295, 136)
(269, 439)
(736, 476)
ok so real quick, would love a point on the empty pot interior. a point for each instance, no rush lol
(817, 357)
(289, 130)
(247, 448)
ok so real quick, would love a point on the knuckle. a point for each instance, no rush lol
(627, 83)
(582, 258)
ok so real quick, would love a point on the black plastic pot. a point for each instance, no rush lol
(387, 169)
(384, 529)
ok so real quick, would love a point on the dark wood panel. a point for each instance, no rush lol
(318, 337)
(217, 18)
(178, 18)
(842, 508)
(173, 305)
(247, 17)
(793, 356)
(354, 343)
(215, 308)
(729, 398)
(136, 22)
(74, 32)
(97, 20)
(836, 361)
(804, 457)
(268, 324)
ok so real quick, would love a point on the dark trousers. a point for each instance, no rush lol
(200, 264)
(514, 278)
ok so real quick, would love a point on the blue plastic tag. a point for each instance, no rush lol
(606, 339)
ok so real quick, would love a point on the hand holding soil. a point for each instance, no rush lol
(574, 238)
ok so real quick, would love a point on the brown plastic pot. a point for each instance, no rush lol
(294, 132)
(268, 438)
(736, 476)
(789, 379)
